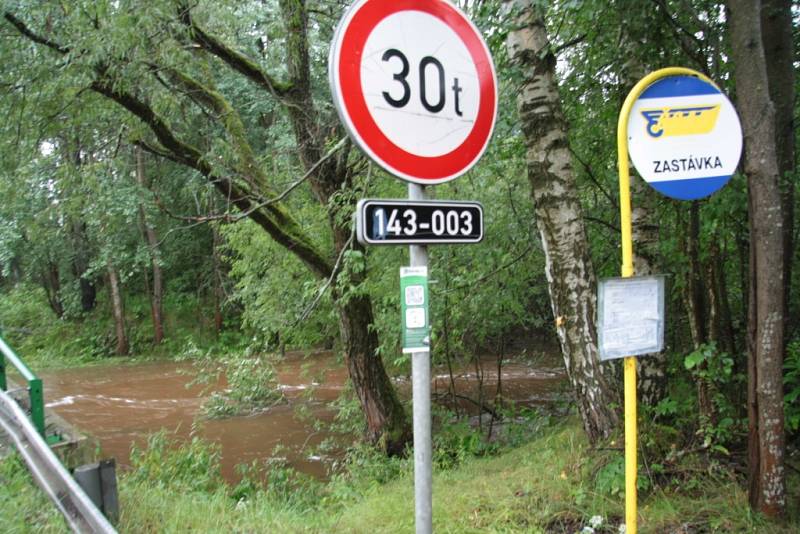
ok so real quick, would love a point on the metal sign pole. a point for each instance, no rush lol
(421, 385)
(416, 145)
(631, 409)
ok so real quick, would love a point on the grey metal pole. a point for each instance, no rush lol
(421, 386)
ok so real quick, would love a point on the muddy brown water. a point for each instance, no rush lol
(120, 405)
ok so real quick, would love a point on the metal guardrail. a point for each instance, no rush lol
(35, 390)
(76, 507)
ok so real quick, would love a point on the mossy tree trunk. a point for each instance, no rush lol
(50, 278)
(80, 265)
(387, 425)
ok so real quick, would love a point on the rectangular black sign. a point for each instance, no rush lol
(418, 222)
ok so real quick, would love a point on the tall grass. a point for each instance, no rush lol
(552, 483)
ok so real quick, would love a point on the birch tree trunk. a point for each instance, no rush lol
(569, 269)
(766, 443)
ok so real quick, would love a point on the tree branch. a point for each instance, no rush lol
(328, 282)
(685, 36)
(593, 178)
(273, 218)
(601, 222)
(234, 59)
(569, 44)
(24, 30)
(227, 217)
(439, 397)
(485, 277)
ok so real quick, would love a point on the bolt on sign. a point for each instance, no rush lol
(684, 137)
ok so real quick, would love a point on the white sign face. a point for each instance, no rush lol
(422, 92)
(684, 137)
(415, 317)
(414, 84)
(631, 316)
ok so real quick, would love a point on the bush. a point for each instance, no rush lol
(252, 384)
(188, 466)
(275, 480)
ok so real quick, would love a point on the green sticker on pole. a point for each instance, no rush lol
(414, 309)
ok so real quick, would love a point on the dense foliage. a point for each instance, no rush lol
(95, 196)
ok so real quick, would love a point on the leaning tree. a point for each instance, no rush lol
(204, 84)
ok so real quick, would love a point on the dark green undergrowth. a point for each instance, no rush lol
(546, 479)
(45, 341)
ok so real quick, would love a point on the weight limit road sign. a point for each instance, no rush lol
(415, 86)
(684, 137)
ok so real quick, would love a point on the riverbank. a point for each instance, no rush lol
(121, 405)
(552, 483)
(45, 342)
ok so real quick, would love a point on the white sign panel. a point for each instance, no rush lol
(684, 137)
(414, 84)
(631, 316)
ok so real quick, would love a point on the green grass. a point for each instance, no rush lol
(546, 485)
(23, 507)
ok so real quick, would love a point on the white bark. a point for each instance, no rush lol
(570, 273)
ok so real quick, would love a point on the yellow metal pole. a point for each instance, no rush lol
(631, 432)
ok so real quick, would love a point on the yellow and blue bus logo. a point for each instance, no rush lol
(675, 122)
(684, 137)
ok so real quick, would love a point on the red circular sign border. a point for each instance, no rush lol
(419, 169)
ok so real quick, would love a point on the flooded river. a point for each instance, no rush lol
(122, 404)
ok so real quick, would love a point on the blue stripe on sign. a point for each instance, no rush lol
(690, 189)
(679, 86)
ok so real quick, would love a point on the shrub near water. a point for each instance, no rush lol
(252, 383)
(178, 487)
(192, 466)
